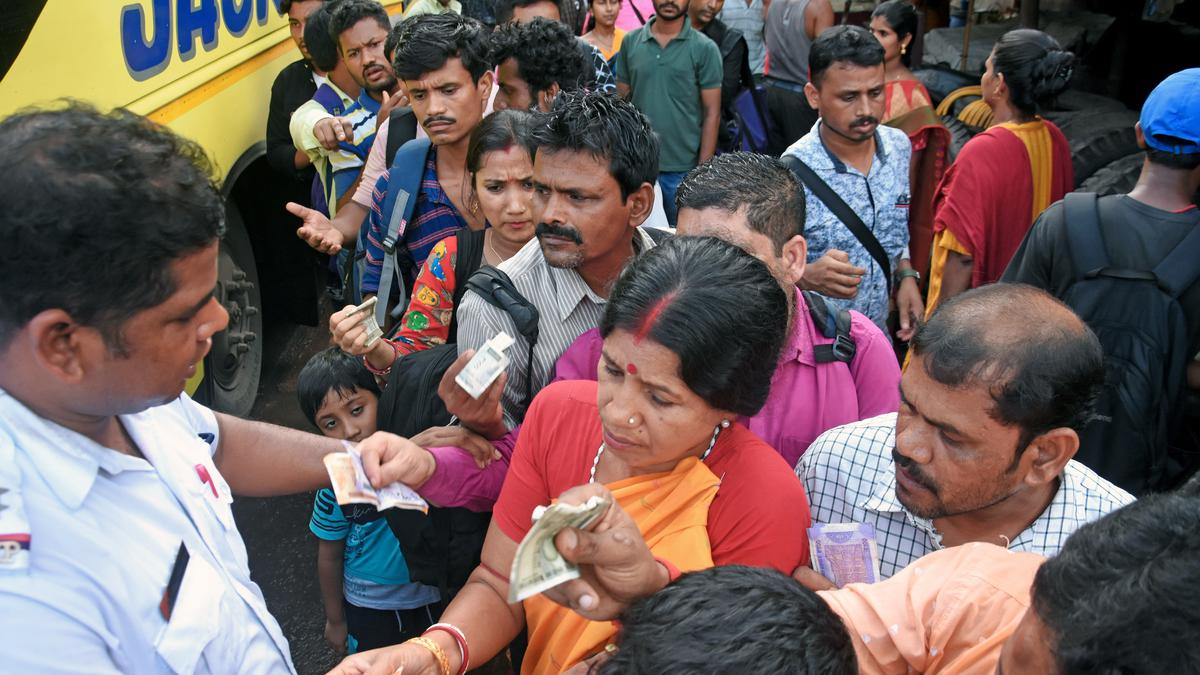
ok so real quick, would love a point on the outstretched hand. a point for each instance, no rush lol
(316, 229)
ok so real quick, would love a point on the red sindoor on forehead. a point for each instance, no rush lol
(632, 369)
(652, 316)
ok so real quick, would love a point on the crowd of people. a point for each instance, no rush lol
(980, 367)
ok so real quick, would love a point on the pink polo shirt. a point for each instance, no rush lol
(806, 400)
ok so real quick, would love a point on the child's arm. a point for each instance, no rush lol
(329, 576)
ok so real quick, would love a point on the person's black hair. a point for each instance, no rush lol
(843, 44)
(1035, 68)
(504, 8)
(732, 619)
(97, 206)
(901, 16)
(331, 370)
(1042, 365)
(606, 127)
(546, 52)
(716, 307)
(427, 41)
(321, 46)
(760, 184)
(286, 5)
(1123, 593)
(499, 131)
(1171, 160)
(347, 13)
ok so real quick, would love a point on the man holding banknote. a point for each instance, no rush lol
(120, 549)
(1001, 379)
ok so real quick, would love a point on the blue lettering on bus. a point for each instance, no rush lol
(146, 32)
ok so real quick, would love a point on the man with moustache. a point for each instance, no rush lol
(865, 164)
(1001, 380)
(672, 73)
(445, 69)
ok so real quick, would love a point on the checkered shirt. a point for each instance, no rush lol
(850, 476)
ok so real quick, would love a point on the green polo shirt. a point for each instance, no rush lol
(665, 85)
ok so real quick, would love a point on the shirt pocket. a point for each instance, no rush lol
(195, 620)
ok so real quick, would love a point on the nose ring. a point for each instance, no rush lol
(632, 420)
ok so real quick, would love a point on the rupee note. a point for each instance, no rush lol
(487, 364)
(367, 310)
(351, 486)
(537, 565)
(845, 553)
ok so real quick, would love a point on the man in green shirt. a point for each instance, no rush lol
(672, 73)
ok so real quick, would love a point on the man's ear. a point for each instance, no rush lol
(1139, 135)
(795, 258)
(1048, 454)
(813, 95)
(640, 202)
(61, 345)
(545, 97)
(484, 84)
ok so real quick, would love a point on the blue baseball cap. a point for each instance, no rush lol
(1173, 110)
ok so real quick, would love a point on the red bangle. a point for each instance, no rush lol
(672, 571)
(458, 636)
(384, 372)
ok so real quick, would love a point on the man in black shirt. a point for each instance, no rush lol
(735, 60)
(294, 85)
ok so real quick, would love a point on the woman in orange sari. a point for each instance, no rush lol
(1004, 177)
(907, 107)
(692, 333)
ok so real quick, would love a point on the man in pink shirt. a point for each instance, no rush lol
(754, 202)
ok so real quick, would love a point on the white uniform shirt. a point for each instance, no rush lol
(104, 532)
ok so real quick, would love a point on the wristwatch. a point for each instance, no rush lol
(901, 275)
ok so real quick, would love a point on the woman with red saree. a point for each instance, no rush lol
(907, 107)
(692, 332)
(1004, 177)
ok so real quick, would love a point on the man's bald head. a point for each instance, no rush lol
(1041, 363)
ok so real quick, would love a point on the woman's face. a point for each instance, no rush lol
(888, 38)
(606, 11)
(651, 419)
(504, 188)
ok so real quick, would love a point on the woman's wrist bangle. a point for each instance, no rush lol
(455, 632)
(672, 571)
(435, 649)
(382, 372)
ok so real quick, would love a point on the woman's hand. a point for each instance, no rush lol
(413, 659)
(478, 447)
(350, 335)
(616, 566)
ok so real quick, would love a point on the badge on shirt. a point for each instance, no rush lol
(14, 532)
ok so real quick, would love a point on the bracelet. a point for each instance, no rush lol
(672, 571)
(901, 275)
(435, 649)
(385, 371)
(456, 633)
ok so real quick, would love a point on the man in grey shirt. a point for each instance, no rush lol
(593, 176)
(791, 27)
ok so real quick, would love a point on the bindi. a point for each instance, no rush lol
(632, 369)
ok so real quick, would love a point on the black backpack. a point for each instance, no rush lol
(442, 547)
(834, 323)
(1141, 325)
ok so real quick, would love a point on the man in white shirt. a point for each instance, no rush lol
(119, 549)
(999, 384)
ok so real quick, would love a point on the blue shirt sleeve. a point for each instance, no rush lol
(328, 522)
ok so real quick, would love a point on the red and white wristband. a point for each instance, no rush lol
(459, 638)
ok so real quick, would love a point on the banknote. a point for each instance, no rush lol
(350, 484)
(487, 364)
(845, 553)
(537, 565)
(367, 310)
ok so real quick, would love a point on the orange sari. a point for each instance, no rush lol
(671, 510)
(907, 107)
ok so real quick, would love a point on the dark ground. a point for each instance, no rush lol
(283, 552)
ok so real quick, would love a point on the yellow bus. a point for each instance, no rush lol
(204, 68)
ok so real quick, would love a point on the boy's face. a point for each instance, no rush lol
(349, 416)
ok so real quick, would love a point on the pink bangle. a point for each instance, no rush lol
(458, 636)
(385, 371)
(672, 571)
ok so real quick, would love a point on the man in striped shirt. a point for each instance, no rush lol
(594, 174)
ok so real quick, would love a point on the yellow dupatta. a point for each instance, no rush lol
(671, 510)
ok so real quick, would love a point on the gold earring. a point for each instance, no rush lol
(903, 50)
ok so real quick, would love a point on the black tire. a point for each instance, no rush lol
(1117, 178)
(1098, 139)
(1082, 101)
(234, 365)
(960, 133)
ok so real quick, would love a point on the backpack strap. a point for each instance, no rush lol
(1179, 270)
(402, 128)
(833, 324)
(656, 234)
(1086, 239)
(404, 182)
(497, 289)
(842, 210)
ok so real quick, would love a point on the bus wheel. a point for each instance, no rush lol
(235, 362)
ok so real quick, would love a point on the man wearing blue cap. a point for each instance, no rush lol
(1148, 324)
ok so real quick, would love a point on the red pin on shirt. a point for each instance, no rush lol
(206, 477)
